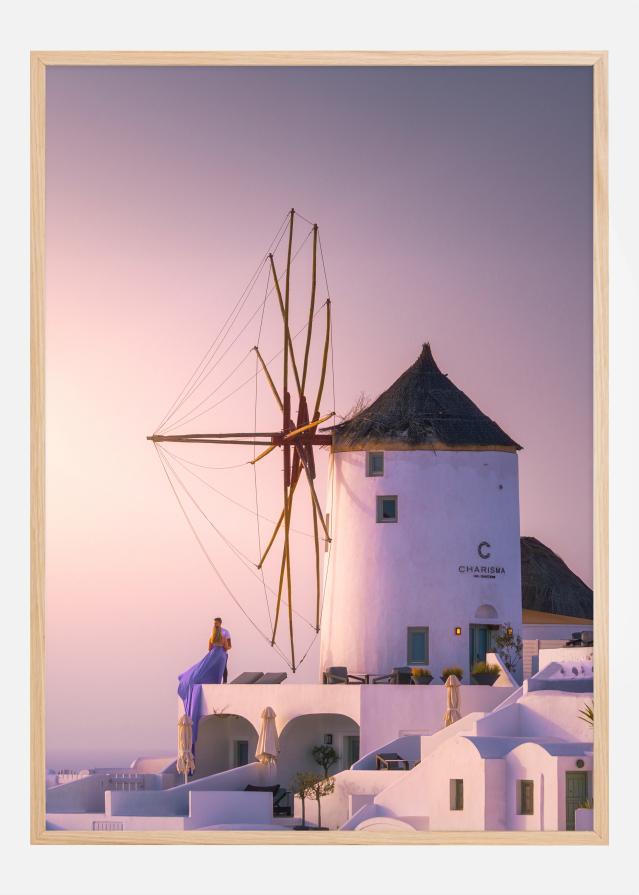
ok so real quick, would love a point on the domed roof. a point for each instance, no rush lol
(424, 409)
(548, 585)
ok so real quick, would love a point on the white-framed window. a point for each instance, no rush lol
(417, 646)
(374, 463)
(387, 508)
(525, 797)
(456, 795)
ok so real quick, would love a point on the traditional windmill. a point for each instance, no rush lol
(298, 434)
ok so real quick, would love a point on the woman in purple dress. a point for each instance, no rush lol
(208, 670)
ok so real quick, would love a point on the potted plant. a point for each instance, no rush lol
(452, 669)
(485, 673)
(509, 647)
(325, 756)
(421, 675)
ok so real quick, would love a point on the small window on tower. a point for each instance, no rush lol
(375, 463)
(387, 509)
(417, 646)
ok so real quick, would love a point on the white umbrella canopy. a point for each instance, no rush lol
(453, 700)
(185, 761)
(268, 744)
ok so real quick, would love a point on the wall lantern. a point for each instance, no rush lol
(457, 631)
(509, 632)
(580, 763)
(328, 739)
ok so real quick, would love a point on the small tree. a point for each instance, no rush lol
(325, 756)
(321, 786)
(509, 647)
(301, 786)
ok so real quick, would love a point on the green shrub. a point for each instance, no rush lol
(452, 669)
(485, 668)
(419, 671)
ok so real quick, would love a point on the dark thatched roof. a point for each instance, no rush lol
(548, 585)
(424, 408)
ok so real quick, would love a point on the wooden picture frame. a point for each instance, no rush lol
(40, 62)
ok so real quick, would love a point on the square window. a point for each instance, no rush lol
(375, 463)
(525, 797)
(387, 509)
(417, 651)
(456, 795)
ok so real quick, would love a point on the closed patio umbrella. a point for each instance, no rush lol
(185, 762)
(453, 700)
(268, 744)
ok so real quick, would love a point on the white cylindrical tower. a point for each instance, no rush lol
(424, 564)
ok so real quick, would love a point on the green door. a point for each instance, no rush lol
(576, 793)
(481, 642)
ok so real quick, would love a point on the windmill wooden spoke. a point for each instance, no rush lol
(317, 569)
(327, 342)
(289, 340)
(278, 525)
(297, 434)
(311, 309)
(269, 378)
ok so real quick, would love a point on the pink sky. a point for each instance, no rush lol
(454, 206)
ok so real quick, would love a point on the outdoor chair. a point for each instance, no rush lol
(248, 677)
(338, 674)
(279, 794)
(272, 677)
(391, 761)
(402, 675)
(383, 678)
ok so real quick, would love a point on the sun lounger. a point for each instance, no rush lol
(279, 795)
(272, 677)
(248, 677)
(391, 761)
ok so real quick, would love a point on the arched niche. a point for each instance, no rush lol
(486, 610)
(303, 732)
(216, 749)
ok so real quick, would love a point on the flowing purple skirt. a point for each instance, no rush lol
(208, 670)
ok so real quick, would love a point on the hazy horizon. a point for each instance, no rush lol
(455, 207)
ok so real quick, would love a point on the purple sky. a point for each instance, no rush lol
(455, 206)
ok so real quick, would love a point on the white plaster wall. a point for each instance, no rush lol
(389, 711)
(288, 701)
(383, 712)
(385, 577)
(207, 808)
(458, 759)
(495, 815)
(531, 762)
(349, 785)
(554, 713)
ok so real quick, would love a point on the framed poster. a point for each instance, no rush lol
(319, 344)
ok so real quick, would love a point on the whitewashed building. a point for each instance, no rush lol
(424, 514)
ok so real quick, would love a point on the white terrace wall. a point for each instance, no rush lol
(391, 712)
(348, 785)
(554, 713)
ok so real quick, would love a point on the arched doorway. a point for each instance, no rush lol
(223, 742)
(302, 733)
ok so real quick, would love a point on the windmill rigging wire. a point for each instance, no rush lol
(205, 375)
(245, 560)
(206, 554)
(280, 231)
(257, 506)
(250, 378)
(232, 500)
